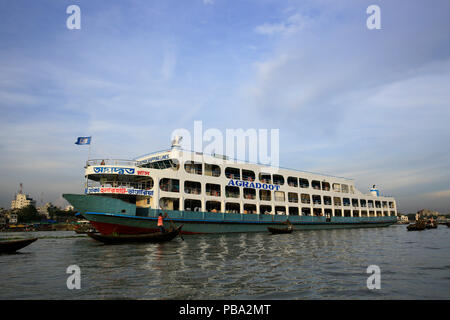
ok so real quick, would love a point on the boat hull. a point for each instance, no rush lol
(15, 245)
(109, 219)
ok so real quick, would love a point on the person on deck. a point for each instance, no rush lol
(161, 223)
(289, 224)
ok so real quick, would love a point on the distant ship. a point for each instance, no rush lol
(212, 194)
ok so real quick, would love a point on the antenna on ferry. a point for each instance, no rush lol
(176, 141)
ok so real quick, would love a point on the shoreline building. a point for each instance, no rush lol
(21, 201)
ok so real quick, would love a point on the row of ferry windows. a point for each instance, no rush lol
(249, 175)
(232, 207)
(194, 187)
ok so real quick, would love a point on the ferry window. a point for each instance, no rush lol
(338, 213)
(328, 212)
(249, 193)
(265, 195)
(265, 178)
(306, 211)
(233, 173)
(363, 203)
(377, 204)
(391, 205)
(169, 203)
(293, 197)
(231, 192)
(248, 175)
(212, 170)
(249, 208)
(280, 210)
(279, 196)
(304, 183)
(316, 199)
(213, 206)
(371, 213)
(293, 211)
(305, 198)
(346, 202)
(392, 213)
(265, 209)
(344, 188)
(337, 201)
(170, 185)
(231, 207)
(325, 186)
(385, 204)
(355, 203)
(370, 203)
(385, 213)
(213, 189)
(317, 211)
(192, 205)
(278, 179)
(327, 200)
(378, 214)
(193, 167)
(363, 213)
(347, 213)
(315, 184)
(147, 183)
(336, 187)
(192, 187)
(292, 181)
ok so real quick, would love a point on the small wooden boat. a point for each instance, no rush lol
(431, 226)
(85, 231)
(127, 238)
(416, 227)
(279, 230)
(10, 246)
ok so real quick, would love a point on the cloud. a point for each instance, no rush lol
(206, 2)
(442, 194)
(291, 25)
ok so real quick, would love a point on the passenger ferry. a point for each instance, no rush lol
(213, 194)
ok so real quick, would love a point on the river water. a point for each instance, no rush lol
(321, 264)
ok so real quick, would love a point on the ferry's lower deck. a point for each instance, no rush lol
(110, 215)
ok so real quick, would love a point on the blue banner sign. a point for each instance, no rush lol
(119, 190)
(254, 185)
(157, 158)
(118, 170)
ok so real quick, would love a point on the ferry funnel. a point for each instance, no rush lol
(374, 191)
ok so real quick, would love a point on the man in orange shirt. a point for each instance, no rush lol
(161, 223)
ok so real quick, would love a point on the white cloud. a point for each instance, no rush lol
(206, 2)
(292, 25)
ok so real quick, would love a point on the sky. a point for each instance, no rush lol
(368, 104)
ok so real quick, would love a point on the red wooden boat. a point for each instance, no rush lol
(127, 238)
(279, 230)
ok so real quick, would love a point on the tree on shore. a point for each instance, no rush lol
(28, 214)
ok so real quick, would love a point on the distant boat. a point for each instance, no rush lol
(10, 246)
(279, 230)
(127, 238)
(418, 226)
